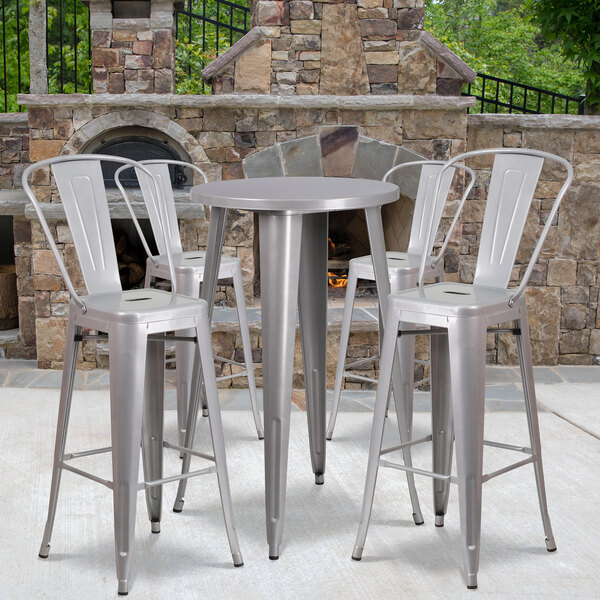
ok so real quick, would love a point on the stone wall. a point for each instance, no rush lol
(14, 149)
(14, 156)
(347, 47)
(563, 291)
(132, 55)
(216, 133)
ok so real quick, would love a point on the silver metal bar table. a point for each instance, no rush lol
(293, 228)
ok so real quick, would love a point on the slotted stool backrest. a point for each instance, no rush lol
(81, 187)
(159, 169)
(514, 178)
(427, 212)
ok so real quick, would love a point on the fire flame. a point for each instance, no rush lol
(337, 281)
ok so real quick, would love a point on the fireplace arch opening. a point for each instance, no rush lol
(139, 143)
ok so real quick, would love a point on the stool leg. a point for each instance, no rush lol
(184, 359)
(190, 429)
(403, 376)
(152, 429)
(203, 333)
(466, 342)
(441, 424)
(238, 288)
(127, 362)
(406, 352)
(66, 394)
(344, 337)
(524, 349)
(312, 316)
(381, 401)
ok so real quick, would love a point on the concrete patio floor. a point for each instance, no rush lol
(190, 558)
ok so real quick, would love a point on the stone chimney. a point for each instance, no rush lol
(338, 47)
(133, 46)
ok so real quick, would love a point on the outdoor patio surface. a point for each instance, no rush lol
(190, 558)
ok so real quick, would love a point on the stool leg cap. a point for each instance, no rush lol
(439, 520)
(155, 526)
(319, 478)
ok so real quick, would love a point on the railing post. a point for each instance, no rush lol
(38, 67)
(581, 107)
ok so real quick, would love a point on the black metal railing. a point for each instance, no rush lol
(205, 29)
(497, 95)
(14, 49)
(68, 49)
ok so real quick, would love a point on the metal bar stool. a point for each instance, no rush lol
(189, 270)
(135, 323)
(403, 268)
(459, 316)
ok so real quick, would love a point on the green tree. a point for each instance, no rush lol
(575, 24)
(496, 37)
(14, 54)
(199, 42)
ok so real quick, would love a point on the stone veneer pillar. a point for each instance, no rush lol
(341, 47)
(133, 55)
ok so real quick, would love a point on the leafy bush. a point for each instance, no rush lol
(496, 37)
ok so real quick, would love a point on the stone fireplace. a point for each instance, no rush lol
(305, 68)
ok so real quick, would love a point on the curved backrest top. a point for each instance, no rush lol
(81, 187)
(514, 178)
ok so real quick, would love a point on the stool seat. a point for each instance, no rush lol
(141, 306)
(190, 264)
(399, 263)
(453, 299)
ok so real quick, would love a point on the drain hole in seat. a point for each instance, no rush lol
(457, 293)
(137, 299)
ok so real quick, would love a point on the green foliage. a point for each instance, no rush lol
(66, 21)
(14, 45)
(575, 25)
(69, 65)
(74, 49)
(190, 59)
(200, 41)
(496, 37)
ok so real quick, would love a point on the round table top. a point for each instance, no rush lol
(296, 194)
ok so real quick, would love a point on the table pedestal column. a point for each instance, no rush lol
(280, 239)
(312, 304)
